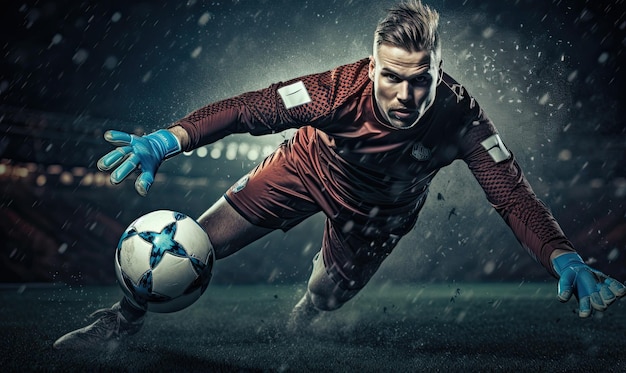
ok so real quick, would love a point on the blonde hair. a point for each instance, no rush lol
(409, 25)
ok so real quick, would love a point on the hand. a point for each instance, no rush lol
(592, 288)
(146, 152)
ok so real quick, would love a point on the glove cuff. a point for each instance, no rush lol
(566, 260)
(167, 143)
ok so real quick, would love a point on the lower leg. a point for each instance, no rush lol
(130, 311)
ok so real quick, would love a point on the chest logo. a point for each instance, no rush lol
(421, 153)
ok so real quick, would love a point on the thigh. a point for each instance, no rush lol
(228, 230)
(273, 194)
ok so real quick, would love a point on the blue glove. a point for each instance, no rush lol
(592, 288)
(146, 152)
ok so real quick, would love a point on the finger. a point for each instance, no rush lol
(596, 301)
(616, 287)
(125, 169)
(117, 138)
(144, 182)
(113, 158)
(587, 283)
(584, 307)
(606, 294)
(566, 284)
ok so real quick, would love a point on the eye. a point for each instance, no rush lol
(391, 78)
(421, 80)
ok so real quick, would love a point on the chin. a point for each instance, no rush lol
(404, 125)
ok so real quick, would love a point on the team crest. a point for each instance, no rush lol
(421, 153)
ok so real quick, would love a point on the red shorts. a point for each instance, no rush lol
(274, 195)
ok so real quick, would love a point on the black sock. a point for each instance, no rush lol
(130, 311)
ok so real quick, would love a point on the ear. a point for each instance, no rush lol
(372, 68)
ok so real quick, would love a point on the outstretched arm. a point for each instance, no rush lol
(507, 189)
(309, 100)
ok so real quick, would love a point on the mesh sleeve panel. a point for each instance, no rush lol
(262, 112)
(511, 195)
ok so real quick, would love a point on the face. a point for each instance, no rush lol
(404, 83)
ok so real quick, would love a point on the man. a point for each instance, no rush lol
(371, 136)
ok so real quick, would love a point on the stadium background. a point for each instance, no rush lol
(550, 74)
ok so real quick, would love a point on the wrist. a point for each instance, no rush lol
(168, 143)
(181, 134)
(562, 261)
(558, 252)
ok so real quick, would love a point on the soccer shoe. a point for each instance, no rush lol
(302, 315)
(104, 332)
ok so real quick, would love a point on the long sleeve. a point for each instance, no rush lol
(265, 111)
(507, 189)
(233, 115)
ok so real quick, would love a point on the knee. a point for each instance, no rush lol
(329, 298)
(324, 292)
(325, 302)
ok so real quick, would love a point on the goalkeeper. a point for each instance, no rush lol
(371, 135)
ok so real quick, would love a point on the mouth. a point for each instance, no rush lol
(402, 114)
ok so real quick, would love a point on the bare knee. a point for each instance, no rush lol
(325, 302)
(324, 292)
(328, 296)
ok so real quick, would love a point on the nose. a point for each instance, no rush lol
(404, 93)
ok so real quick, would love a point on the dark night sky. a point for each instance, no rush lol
(549, 73)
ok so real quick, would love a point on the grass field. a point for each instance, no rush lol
(394, 328)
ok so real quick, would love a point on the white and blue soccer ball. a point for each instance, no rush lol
(164, 261)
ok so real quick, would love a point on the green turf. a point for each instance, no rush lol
(393, 328)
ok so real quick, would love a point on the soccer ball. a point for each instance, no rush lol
(163, 261)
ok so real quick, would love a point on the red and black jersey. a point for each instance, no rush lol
(366, 165)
